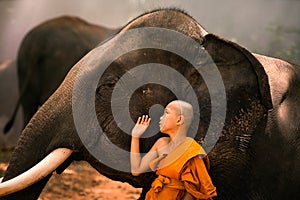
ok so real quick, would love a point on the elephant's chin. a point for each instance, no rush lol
(36, 173)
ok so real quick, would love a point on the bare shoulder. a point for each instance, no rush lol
(162, 142)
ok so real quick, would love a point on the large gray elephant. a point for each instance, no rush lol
(45, 56)
(256, 155)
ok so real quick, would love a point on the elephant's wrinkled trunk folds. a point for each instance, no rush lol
(36, 173)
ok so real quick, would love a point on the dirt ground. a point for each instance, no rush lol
(81, 182)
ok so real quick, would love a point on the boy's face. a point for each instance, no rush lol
(168, 121)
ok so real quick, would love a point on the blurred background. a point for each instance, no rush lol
(265, 26)
(269, 27)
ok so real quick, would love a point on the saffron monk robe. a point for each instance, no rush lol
(179, 161)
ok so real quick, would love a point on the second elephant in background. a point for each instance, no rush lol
(45, 56)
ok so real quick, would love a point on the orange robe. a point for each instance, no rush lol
(182, 171)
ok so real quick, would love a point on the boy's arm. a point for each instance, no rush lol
(138, 164)
(141, 164)
(135, 157)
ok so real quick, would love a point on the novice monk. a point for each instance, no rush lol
(177, 159)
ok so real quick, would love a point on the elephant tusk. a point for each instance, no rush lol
(36, 173)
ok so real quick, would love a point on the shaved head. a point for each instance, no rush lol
(185, 109)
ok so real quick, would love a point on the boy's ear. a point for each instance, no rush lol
(180, 120)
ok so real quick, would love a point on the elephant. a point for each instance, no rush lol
(8, 97)
(45, 56)
(256, 154)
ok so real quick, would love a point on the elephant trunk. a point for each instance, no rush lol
(51, 128)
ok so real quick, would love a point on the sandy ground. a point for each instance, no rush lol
(81, 182)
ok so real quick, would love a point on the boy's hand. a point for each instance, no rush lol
(140, 126)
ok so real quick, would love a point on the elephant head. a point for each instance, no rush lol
(83, 125)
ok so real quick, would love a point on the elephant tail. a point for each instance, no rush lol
(10, 123)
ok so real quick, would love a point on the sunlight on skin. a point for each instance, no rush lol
(283, 116)
(286, 123)
(278, 75)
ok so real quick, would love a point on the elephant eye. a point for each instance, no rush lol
(107, 84)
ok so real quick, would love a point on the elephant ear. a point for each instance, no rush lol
(226, 53)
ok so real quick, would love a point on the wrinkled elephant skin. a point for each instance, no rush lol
(257, 154)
